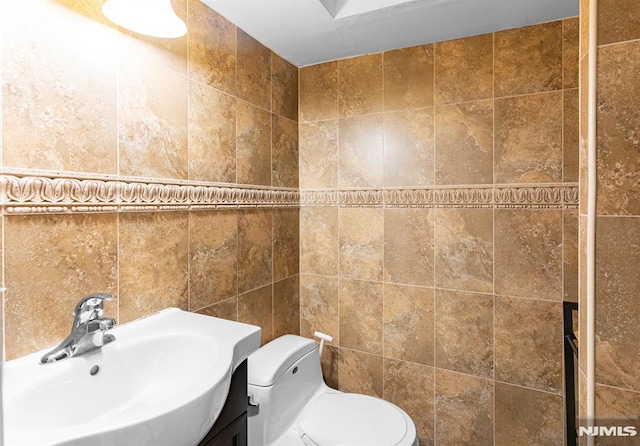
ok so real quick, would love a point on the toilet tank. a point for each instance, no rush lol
(283, 376)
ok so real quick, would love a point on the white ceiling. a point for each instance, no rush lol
(306, 32)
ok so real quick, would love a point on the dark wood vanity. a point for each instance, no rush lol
(230, 429)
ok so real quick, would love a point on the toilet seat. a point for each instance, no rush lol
(337, 419)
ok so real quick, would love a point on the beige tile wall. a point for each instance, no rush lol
(455, 314)
(618, 214)
(216, 105)
(435, 309)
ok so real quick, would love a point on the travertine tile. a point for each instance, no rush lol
(464, 143)
(582, 289)
(319, 154)
(464, 410)
(616, 407)
(360, 85)
(528, 59)
(286, 240)
(170, 53)
(212, 135)
(50, 263)
(408, 147)
(361, 243)
(360, 372)
(319, 92)
(581, 410)
(361, 315)
(319, 306)
(284, 152)
(152, 113)
(570, 136)
(583, 151)
(59, 90)
(227, 309)
(528, 343)
(570, 50)
(570, 255)
(411, 387)
(584, 28)
(256, 308)
(361, 151)
(617, 301)
(528, 139)
(319, 243)
(464, 69)
(464, 249)
(464, 332)
(330, 362)
(213, 257)
(408, 246)
(255, 252)
(212, 48)
(408, 77)
(528, 253)
(408, 323)
(618, 20)
(254, 71)
(286, 306)
(284, 78)
(153, 263)
(618, 128)
(528, 417)
(253, 145)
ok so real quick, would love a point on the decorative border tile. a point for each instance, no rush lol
(38, 192)
(555, 196)
(29, 193)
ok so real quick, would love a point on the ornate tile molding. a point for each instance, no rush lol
(32, 192)
(556, 196)
(25, 191)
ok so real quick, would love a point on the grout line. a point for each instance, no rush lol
(299, 123)
(434, 213)
(238, 214)
(271, 211)
(189, 173)
(548, 392)
(338, 119)
(273, 288)
(622, 42)
(435, 362)
(189, 261)
(493, 229)
(118, 257)
(383, 211)
(618, 388)
(435, 288)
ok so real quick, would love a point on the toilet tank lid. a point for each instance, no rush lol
(268, 363)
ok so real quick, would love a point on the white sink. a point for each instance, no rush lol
(162, 382)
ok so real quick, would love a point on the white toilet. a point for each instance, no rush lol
(292, 406)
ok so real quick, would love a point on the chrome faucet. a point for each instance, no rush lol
(88, 331)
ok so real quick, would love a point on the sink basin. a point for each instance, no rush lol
(162, 382)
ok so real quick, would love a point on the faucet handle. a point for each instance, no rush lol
(90, 307)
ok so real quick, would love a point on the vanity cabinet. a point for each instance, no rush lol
(230, 429)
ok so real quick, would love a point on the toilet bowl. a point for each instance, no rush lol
(290, 405)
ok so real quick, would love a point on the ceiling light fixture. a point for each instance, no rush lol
(154, 18)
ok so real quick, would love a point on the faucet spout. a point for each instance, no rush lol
(88, 331)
